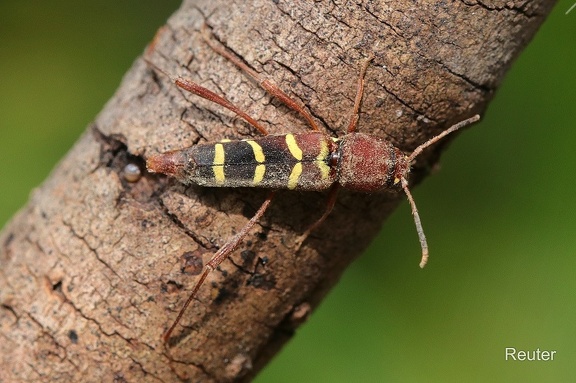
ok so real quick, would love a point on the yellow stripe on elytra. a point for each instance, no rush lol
(258, 153)
(294, 176)
(259, 174)
(260, 158)
(218, 163)
(321, 160)
(293, 147)
(218, 154)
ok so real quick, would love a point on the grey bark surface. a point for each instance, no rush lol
(95, 268)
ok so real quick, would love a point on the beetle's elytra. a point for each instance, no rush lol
(307, 161)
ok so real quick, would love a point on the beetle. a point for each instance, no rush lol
(312, 161)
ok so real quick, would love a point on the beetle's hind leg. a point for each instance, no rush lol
(266, 84)
(222, 254)
(199, 90)
(332, 197)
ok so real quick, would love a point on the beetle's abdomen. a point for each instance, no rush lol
(299, 161)
(369, 164)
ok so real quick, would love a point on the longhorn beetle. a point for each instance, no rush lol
(303, 161)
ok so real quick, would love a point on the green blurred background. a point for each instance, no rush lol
(499, 216)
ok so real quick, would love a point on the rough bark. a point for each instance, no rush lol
(95, 268)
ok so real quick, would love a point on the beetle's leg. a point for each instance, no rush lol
(268, 85)
(332, 197)
(359, 93)
(218, 258)
(199, 90)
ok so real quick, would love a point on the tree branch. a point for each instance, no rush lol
(95, 268)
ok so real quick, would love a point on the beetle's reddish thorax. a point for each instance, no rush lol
(369, 164)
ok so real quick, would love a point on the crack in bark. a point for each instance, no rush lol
(522, 10)
(93, 250)
(190, 233)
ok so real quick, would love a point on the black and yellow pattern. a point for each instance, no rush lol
(299, 161)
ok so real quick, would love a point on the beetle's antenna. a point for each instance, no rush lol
(411, 157)
(437, 138)
(419, 228)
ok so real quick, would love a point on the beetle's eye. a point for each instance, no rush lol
(334, 159)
